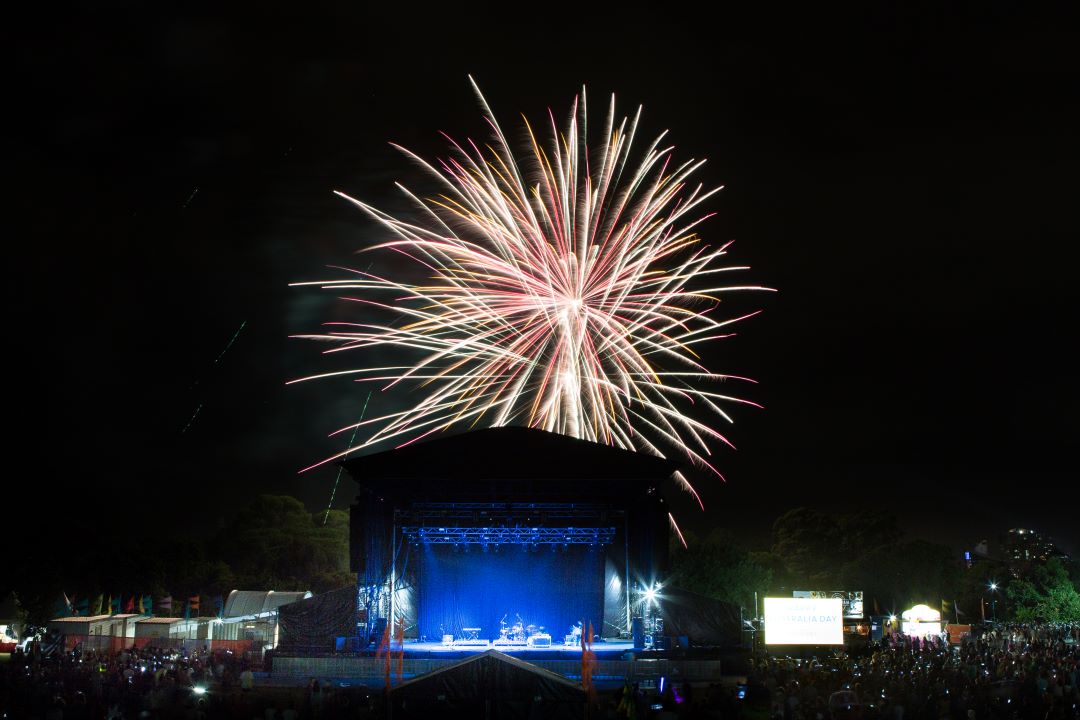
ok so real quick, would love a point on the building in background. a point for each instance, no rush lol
(252, 615)
(1016, 551)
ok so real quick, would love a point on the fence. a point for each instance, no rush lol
(646, 671)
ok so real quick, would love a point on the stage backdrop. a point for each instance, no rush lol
(461, 589)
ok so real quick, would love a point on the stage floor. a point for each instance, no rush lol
(607, 649)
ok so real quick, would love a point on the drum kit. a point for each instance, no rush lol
(520, 633)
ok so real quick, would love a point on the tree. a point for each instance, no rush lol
(275, 543)
(815, 546)
(809, 542)
(1047, 594)
(720, 568)
(904, 573)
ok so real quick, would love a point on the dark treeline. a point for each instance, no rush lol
(867, 551)
(273, 543)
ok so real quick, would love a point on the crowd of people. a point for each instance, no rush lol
(151, 682)
(1021, 672)
(1008, 672)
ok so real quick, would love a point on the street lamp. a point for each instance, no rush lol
(993, 601)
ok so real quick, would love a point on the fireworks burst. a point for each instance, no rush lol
(567, 290)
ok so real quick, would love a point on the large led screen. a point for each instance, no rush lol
(804, 621)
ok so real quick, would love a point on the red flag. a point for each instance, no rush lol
(129, 607)
(401, 648)
(589, 665)
(384, 653)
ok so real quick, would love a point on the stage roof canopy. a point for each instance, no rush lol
(256, 602)
(509, 453)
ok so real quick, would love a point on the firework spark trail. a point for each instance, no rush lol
(191, 419)
(341, 469)
(190, 198)
(231, 341)
(562, 295)
(217, 360)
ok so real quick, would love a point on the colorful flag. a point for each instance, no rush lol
(95, 607)
(219, 605)
(166, 604)
(83, 607)
(193, 601)
(129, 607)
(114, 605)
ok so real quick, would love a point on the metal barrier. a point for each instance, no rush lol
(646, 671)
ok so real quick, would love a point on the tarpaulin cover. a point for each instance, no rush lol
(312, 624)
(479, 589)
(492, 685)
(703, 620)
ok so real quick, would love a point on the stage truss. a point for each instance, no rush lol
(494, 524)
(534, 536)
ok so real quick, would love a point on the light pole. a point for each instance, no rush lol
(993, 600)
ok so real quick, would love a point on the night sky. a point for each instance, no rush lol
(908, 181)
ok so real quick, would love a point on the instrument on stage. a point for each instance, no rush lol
(517, 632)
(471, 637)
(539, 640)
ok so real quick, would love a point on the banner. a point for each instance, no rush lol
(852, 599)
